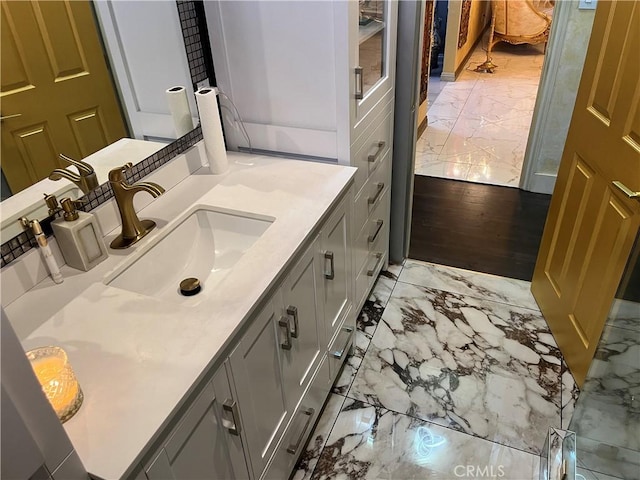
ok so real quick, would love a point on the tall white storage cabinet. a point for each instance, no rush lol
(316, 80)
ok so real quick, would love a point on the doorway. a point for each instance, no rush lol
(478, 125)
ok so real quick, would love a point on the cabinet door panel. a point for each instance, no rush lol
(300, 300)
(197, 447)
(255, 365)
(336, 273)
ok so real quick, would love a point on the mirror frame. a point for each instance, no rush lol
(196, 41)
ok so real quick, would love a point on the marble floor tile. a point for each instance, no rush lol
(569, 396)
(432, 141)
(610, 460)
(444, 169)
(619, 345)
(318, 438)
(368, 319)
(366, 325)
(495, 174)
(583, 474)
(608, 409)
(382, 289)
(625, 314)
(370, 442)
(481, 285)
(480, 367)
(393, 271)
(482, 114)
(352, 363)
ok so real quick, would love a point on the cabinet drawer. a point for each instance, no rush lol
(374, 260)
(340, 347)
(371, 232)
(300, 427)
(372, 150)
(371, 195)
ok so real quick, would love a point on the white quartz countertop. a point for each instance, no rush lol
(138, 358)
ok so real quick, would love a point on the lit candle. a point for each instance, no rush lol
(58, 381)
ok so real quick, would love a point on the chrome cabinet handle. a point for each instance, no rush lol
(332, 273)
(374, 157)
(340, 353)
(230, 406)
(7, 117)
(371, 271)
(293, 311)
(359, 86)
(284, 323)
(372, 238)
(379, 189)
(293, 448)
(626, 190)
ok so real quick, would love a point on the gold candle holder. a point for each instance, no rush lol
(58, 381)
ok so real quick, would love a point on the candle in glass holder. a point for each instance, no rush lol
(57, 379)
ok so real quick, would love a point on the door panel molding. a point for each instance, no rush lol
(591, 226)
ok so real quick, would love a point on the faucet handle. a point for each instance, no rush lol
(117, 174)
(83, 167)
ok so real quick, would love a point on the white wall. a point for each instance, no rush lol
(556, 95)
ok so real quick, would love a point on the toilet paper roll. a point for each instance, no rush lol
(209, 110)
(179, 108)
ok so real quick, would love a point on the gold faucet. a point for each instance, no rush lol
(133, 229)
(86, 180)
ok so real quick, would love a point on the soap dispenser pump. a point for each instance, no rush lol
(79, 237)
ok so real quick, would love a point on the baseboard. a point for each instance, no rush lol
(422, 127)
(541, 183)
(448, 77)
(451, 77)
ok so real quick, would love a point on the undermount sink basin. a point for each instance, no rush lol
(206, 246)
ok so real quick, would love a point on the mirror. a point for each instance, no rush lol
(57, 97)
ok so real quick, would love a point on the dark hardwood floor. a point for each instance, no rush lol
(485, 228)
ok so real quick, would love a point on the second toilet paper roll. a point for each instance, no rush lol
(208, 108)
(179, 108)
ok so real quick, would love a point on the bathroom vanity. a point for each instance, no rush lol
(227, 383)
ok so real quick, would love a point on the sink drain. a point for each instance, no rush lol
(190, 286)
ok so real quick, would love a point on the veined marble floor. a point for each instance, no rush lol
(454, 374)
(607, 413)
(479, 125)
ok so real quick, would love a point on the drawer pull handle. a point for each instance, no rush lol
(293, 448)
(359, 87)
(293, 311)
(372, 238)
(284, 323)
(340, 353)
(230, 406)
(332, 273)
(375, 267)
(374, 157)
(379, 189)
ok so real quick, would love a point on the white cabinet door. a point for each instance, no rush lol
(372, 41)
(257, 375)
(198, 448)
(139, 53)
(301, 325)
(337, 277)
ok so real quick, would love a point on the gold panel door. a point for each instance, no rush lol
(56, 91)
(592, 222)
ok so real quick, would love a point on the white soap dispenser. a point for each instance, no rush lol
(79, 237)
